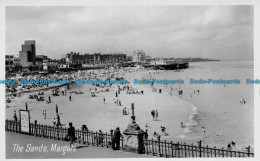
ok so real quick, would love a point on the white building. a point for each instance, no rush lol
(139, 56)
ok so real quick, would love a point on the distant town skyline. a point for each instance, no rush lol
(224, 32)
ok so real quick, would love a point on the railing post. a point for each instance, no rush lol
(159, 146)
(199, 145)
(58, 135)
(153, 147)
(16, 124)
(106, 141)
(177, 146)
(185, 150)
(43, 131)
(165, 145)
(192, 151)
(248, 151)
(97, 139)
(122, 142)
(172, 149)
(223, 153)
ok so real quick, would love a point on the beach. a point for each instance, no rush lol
(217, 107)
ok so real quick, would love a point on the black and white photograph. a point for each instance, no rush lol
(96, 80)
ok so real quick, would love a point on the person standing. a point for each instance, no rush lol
(15, 117)
(119, 102)
(49, 99)
(146, 134)
(58, 120)
(116, 139)
(26, 106)
(116, 93)
(156, 115)
(153, 113)
(71, 135)
(70, 98)
(104, 99)
(57, 109)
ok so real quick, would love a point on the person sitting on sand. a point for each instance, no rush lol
(203, 132)
(233, 144)
(54, 121)
(242, 100)
(163, 130)
(155, 134)
(124, 111)
(182, 126)
(229, 146)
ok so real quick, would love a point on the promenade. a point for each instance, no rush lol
(83, 151)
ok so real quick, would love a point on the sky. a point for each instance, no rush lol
(222, 32)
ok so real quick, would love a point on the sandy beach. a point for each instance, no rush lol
(217, 108)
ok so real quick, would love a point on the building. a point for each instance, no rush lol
(9, 62)
(27, 55)
(52, 65)
(96, 59)
(139, 56)
(17, 61)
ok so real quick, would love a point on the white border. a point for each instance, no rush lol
(256, 4)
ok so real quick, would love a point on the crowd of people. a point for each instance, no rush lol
(98, 88)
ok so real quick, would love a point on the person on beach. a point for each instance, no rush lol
(233, 144)
(146, 134)
(182, 126)
(156, 115)
(58, 120)
(116, 139)
(54, 121)
(116, 93)
(70, 98)
(71, 135)
(49, 99)
(242, 100)
(229, 146)
(15, 117)
(119, 102)
(26, 106)
(44, 114)
(57, 109)
(153, 114)
(104, 99)
(124, 111)
(163, 130)
(203, 132)
(155, 134)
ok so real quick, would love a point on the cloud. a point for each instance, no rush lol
(168, 31)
